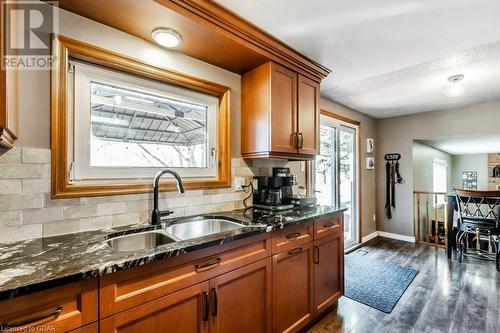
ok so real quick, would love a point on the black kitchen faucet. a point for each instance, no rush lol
(157, 214)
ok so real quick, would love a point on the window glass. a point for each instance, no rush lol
(439, 177)
(130, 128)
(324, 164)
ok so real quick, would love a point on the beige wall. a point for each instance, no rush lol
(470, 162)
(423, 158)
(368, 179)
(396, 135)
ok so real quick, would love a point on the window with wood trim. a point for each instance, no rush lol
(116, 122)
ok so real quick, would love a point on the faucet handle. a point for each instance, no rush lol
(166, 213)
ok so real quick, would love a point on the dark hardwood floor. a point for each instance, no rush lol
(446, 296)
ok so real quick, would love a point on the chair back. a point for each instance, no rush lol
(481, 208)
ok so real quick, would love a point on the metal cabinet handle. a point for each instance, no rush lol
(316, 255)
(294, 235)
(9, 326)
(295, 251)
(205, 309)
(301, 140)
(215, 304)
(208, 265)
(328, 225)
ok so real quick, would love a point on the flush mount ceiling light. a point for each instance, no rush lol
(166, 37)
(456, 88)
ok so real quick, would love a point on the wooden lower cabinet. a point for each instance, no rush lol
(184, 311)
(92, 328)
(58, 310)
(328, 271)
(238, 301)
(241, 289)
(241, 300)
(127, 289)
(293, 289)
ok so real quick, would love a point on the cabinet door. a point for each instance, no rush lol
(293, 289)
(283, 109)
(183, 311)
(328, 270)
(8, 92)
(308, 116)
(241, 300)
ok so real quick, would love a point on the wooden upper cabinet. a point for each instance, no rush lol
(8, 99)
(283, 110)
(280, 114)
(308, 116)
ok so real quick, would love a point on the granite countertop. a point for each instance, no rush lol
(42, 263)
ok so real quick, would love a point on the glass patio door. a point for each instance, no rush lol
(336, 173)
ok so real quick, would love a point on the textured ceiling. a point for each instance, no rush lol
(390, 57)
(477, 144)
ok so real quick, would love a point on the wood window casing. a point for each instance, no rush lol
(62, 49)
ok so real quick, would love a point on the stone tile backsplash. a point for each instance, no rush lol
(27, 210)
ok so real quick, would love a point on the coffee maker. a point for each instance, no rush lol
(273, 192)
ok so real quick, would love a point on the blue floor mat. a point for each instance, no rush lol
(376, 283)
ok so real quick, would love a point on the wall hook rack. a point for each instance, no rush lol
(393, 177)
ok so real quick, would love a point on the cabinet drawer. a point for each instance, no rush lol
(328, 225)
(126, 289)
(58, 310)
(291, 237)
(183, 311)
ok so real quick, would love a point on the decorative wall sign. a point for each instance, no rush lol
(392, 157)
(370, 145)
(469, 180)
(370, 163)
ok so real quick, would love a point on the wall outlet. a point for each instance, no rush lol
(302, 166)
(238, 183)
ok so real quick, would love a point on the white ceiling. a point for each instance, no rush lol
(390, 57)
(477, 144)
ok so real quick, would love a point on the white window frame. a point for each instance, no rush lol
(79, 123)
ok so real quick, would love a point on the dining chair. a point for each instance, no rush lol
(479, 215)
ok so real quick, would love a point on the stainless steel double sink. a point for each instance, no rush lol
(178, 230)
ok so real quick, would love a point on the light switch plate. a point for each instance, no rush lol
(238, 183)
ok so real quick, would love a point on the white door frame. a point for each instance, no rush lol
(340, 125)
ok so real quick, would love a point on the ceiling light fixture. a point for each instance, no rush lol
(455, 88)
(166, 37)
